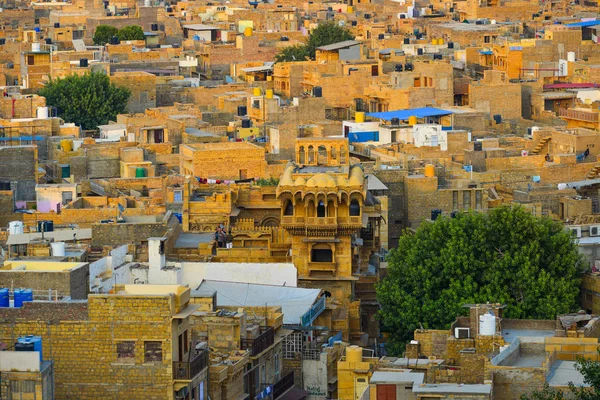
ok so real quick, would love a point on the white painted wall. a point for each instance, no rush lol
(265, 274)
(20, 361)
(314, 376)
(430, 135)
(116, 265)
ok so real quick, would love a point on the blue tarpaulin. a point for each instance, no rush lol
(583, 24)
(486, 52)
(405, 114)
(17, 138)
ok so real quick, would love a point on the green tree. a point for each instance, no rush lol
(591, 376)
(89, 100)
(292, 53)
(506, 256)
(326, 33)
(131, 32)
(103, 34)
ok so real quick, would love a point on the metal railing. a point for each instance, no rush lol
(261, 343)
(314, 312)
(188, 370)
(284, 384)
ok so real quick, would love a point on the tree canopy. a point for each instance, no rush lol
(506, 256)
(292, 53)
(131, 32)
(103, 33)
(326, 33)
(89, 100)
(591, 376)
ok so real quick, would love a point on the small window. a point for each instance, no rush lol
(486, 39)
(466, 199)
(30, 60)
(126, 350)
(152, 352)
(178, 196)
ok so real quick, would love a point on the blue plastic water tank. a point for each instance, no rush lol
(35, 340)
(178, 216)
(22, 295)
(4, 298)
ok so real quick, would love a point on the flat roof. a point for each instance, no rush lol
(510, 335)
(27, 265)
(200, 27)
(189, 240)
(339, 45)
(563, 372)
(63, 235)
(219, 146)
(163, 290)
(453, 388)
(397, 377)
(294, 301)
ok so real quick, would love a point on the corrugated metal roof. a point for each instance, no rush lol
(339, 45)
(294, 301)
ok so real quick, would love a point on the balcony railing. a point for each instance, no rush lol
(320, 221)
(261, 343)
(284, 384)
(314, 312)
(580, 115)
(350, 220)
(322, 266)
(184, 370)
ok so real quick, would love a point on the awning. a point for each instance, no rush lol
(186, 312)
(423, 112)
(234, 212)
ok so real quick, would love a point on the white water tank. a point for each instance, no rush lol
(493, 22)
(571, 56)
(487, 324)
(35, 46)
(15, 227)
(58, 249)
(42, 112)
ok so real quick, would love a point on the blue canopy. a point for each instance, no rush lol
(584, 23)
(405, 114)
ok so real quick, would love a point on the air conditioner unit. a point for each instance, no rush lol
(595, 230)
(462, 333)
(575, 231)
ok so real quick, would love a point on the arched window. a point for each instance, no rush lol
(330, 209)
(310, 209)
(354, 208)
(342, 155)
(311, 155)
(333, 153)
(322, 155)
(301, 155)
(321, 209)
(289, 208)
